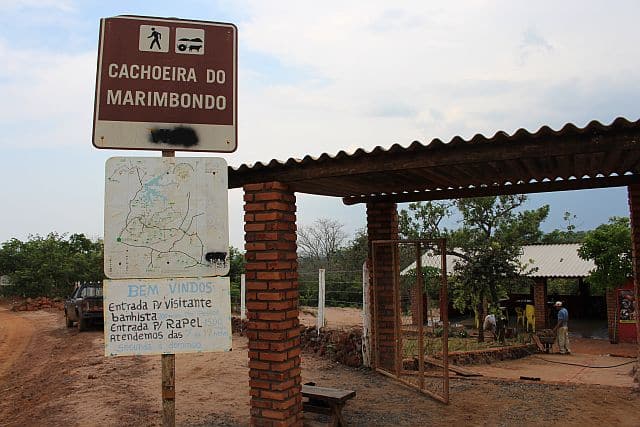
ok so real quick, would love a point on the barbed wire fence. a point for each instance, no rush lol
(343, 288)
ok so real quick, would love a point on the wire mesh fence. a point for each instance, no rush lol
(343, 288)
(410, 311)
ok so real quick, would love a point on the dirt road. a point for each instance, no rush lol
(54, 376)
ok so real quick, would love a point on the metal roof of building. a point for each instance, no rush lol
(552, 261)
(571, 158)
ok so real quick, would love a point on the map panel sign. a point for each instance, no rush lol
(166, 217)
(166, 316)
(166, 84)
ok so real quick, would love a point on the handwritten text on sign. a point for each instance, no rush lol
(156, 316)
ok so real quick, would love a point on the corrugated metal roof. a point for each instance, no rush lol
(560, 260)
(547, 160)
(545, 132)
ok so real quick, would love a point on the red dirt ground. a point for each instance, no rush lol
(54, 376)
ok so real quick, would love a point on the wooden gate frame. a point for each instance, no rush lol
(444, 314)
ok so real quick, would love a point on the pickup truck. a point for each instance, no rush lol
(84, 306)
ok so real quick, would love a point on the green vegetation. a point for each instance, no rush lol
(568, 235)
(49, 266)
(488, 244)
(236, 269)
(341, 258)
(609, 245)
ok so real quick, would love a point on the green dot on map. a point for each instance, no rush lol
(118, 239)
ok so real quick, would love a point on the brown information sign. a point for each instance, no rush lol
(166, 84)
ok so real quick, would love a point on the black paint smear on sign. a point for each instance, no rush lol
(216, 256)
(180, 135)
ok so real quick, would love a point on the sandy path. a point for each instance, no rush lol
(15, 335)
(551, 368)
(60, 377)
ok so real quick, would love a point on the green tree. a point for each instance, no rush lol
(236, 269)
(488, 244)
(236, 265)
(568, 235)
(609, 246)
(49, 266)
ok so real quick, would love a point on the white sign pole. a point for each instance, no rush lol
(321, 296)
(243, 297)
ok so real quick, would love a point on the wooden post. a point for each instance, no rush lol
(321, 296)
(243, 297)
(419, 287)
(168, 372)
(366, 317)
(168, 390)
(395, 271)
(444, 318)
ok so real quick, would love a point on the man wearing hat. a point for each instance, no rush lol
(562, 328)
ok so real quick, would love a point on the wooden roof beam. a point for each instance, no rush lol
(495, 190)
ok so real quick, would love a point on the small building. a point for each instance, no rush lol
(544, 262)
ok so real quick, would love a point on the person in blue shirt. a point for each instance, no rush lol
(562, 328)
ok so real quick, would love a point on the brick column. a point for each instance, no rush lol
(382, 224)
(272, 305)
(610, 296)
(540, 302)
(634, 208)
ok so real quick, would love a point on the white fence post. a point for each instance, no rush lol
(321, 295)
(366, 317)
(243, 294)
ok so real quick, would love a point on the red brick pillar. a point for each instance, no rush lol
(634, 208)
(540, 303)
(272, 305)
(610, 296)
(382, 224)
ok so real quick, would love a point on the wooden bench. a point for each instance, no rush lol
(327, 401)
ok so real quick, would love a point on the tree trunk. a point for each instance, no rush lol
(480, 311)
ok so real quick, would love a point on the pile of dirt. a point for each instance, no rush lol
(39, 303)
(238, 325)
(342, 346)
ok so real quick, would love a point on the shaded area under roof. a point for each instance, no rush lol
(571, 158)
(551, 261)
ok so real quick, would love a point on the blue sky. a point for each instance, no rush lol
(319, 77)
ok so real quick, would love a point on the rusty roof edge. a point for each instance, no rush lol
(569, 129)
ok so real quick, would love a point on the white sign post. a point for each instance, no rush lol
(243, 297)
(166, 84)
(321, 300)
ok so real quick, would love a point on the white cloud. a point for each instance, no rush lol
(421, 70)
(347, 75)
(60, 5)
(47, 97)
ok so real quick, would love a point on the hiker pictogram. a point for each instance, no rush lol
(154, 38)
